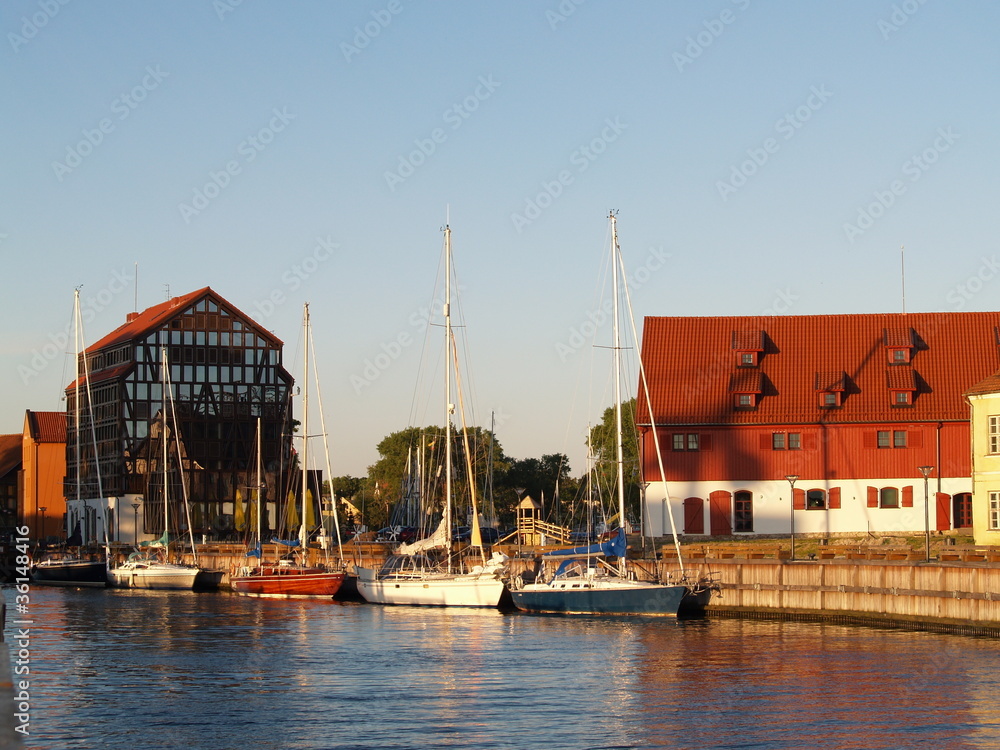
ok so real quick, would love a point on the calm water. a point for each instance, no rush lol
(121, 669)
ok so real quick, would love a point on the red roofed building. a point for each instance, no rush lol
(849, 405)
(41, 505)
(225, 373)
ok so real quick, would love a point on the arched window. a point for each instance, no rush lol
(816, 500)
(888, 497)
(743, 511)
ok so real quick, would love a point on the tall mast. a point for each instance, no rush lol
(449, 408)
(163, 436)
(619, 451)
(260, 543)
(305, 424)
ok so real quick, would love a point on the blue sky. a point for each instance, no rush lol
(764, 158)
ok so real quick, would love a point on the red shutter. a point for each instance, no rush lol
(694, 516)
(834, 501)
(873, 497)
(800, 499)
(809, 441)
(943, 511)
(915, 439)
(765, 441)
(908, 496)
(870, 439)
(705, 443)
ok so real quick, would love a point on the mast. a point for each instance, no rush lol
(259, 488)
(303, 539)
(449, 407)
(163, 437)
(616, 345)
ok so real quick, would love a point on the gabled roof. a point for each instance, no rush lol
(153, 318)
(691, 369)
(989, 384)
(10, 453)
(45, 426)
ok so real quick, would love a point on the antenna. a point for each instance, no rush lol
(167, 288)
(902, 275)
(135, 290)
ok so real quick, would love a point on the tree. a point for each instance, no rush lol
(547, 477)
(602, 443)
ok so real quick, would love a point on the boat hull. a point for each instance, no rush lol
(160, 576)
(89, 573)
(633, 599)
(431, 591)
(288, 584)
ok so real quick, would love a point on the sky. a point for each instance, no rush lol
(779, 158)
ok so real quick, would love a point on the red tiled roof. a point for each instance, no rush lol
(10, 453)
(690, 362)
(46, 426)
(897, 337)
(748, 341)
(156, 316)
(901, 378)
(831, 381)
(990, 384)
(746, 381)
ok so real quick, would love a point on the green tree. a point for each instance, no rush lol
(602, 444)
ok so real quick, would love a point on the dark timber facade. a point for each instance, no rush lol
(225, 374)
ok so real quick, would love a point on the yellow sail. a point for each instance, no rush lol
(310, 511)
(239, 514)
(291, 513)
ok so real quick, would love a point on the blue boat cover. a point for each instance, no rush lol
(255, 552)
(286, 542)
(614, 547)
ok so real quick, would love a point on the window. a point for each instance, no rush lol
(901, 398)
(743, 511)
(883, 439)
(745, 400)
(888, 497)
(995, 510)
(685, 441)
(781, 441)
(900, 355)
(829, 399)
(815, 500)
(994, 434)
(899, 438)
(748, 359)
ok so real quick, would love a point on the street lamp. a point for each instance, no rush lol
(43, 509)
(926, 471)
(791, 508)
(135, 524)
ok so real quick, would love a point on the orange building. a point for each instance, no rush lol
(41, 505)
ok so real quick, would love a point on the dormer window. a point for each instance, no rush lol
(748, 346)
(898, 344)
(902, 383)
(830, 387)
(746, 387)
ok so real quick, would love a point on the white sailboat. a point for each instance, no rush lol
(149, 568)
(412, 576)
(585, 582)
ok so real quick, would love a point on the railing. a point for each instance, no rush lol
(527, 527)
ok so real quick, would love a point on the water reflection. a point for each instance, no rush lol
(121, 669)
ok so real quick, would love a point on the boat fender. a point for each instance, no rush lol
(518, 582)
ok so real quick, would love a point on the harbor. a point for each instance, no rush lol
(210, 670)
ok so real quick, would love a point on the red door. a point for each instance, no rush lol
(720, 504)
(943, 511)
(694, 515)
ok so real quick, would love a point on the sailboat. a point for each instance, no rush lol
(71, 566)
(412, 575)
(149, 568)
(586, 582)
(287, 578)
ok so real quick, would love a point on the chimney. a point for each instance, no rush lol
(131, 316)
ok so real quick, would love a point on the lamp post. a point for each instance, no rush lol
(135, 524)
(43, 509)
(791, 508)
(926, 471)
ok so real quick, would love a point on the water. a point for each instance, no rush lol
(127, 669)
